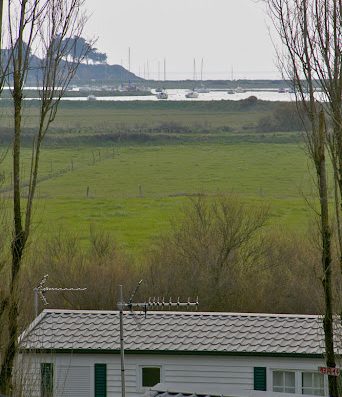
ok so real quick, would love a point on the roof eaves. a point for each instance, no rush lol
(175, 352)
(33, 324)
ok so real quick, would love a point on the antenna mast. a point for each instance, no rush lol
(154, 303)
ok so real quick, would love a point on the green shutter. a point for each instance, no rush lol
(100, 380)
(46, 379)
(260, 378)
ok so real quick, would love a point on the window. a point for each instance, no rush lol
(46, 380)
(150, 376)
(100, 380)
(284, 381)
(313, 383)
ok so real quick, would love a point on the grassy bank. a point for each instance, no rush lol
(102, 123)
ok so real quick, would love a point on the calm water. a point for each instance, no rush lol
(179, 95)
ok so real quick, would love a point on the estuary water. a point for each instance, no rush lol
(179, 95)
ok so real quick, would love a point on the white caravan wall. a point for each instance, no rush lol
(74, 373)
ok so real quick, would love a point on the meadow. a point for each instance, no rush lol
(131, 189)
(100, 122)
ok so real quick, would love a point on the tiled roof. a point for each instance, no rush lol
(223, 333)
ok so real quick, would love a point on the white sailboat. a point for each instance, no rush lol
(240, 90)
(193, 94)
(161, 93)
(202, 89)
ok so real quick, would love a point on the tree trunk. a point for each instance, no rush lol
(1, 13)
(326, 258)
(40, 23)
(17, 248)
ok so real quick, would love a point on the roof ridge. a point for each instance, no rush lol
(196, 313)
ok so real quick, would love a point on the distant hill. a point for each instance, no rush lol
(86, 73)
(104, 73)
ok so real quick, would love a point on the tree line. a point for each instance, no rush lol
(218, 248)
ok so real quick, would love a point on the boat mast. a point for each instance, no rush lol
(202, 70)
(129, 59)
(164, 69)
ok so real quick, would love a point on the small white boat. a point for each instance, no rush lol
(162, 94)
(202, 90)
(281, 90)
(240, 90)
(91, 98)
(192, 94)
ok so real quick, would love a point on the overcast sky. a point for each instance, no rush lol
(230, 35)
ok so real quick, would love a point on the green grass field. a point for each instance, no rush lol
(101, 121)
(133, 191)
(89, 178)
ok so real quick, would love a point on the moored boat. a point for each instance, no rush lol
(192, 94)
(202, 90)
(240, 90)
(162, 95)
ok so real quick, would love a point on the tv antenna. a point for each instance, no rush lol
(152, 303)
(41, 289)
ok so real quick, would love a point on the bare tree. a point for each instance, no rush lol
(34, 27)
(310, 32)
(208, 251)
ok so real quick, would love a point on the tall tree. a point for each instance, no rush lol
(310, 31)
(33, 26)
(97, 56)
(74, 48)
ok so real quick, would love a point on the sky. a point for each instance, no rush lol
(232, 37)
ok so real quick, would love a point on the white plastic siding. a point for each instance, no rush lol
(114, 377)
(75, 372)
(72, 381)
(210, 372)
